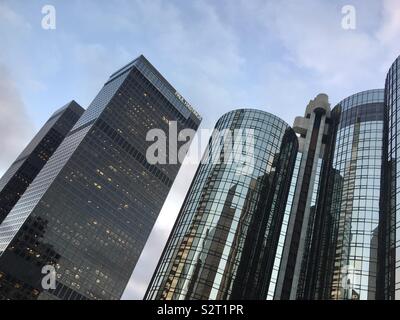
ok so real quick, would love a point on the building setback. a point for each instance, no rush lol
(345, 246)
(223, 241)
(90, 210)
(32, 159)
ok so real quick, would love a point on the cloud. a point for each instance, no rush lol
(315, 40)
(390, 31)
(94, 62)
(16, 128)
(151, 253)
(307, 50)
(180, 44)
(12, 53)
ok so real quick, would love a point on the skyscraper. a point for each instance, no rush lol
(90, 210)
(292, 257)
(32, 159)
(389, 237)
(223, 241)
(346, 252)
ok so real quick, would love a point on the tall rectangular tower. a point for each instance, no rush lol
(91, 209)
(29, 163)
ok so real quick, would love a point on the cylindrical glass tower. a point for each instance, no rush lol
(390, 231)
(353, 197)
(223, 242)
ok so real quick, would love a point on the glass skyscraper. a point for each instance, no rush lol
(336, 238)
(283, 233)
(32, 159)
(223, 242)
(292, 257)
(90, 210)
(346, 254)
(390, 230)
(272, 212)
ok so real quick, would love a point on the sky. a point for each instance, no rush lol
(219, 54)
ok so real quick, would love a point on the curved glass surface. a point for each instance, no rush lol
(223, 241)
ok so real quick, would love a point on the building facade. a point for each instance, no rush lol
(90, 210)
(292, 258)
(339, 234)
(346, 249)
(223, 241)
(32, 159)
(390, 227)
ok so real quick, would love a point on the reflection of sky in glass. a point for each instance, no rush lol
(392, 276)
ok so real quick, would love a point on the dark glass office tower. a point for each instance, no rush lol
(223, 242)
(293, 254)
(390, 228)
(90, 210)
(347, 245)
(32, 159)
